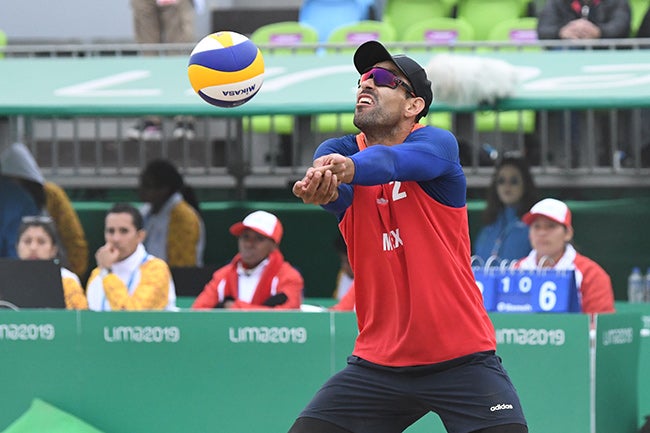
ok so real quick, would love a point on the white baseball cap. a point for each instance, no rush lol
(262, 222)
(552, 209)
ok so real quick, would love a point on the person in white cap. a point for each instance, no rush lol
(258, 277)
(550, 235)
(425, 342)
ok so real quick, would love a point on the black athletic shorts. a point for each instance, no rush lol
(468, 393)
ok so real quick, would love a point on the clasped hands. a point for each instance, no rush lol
(321, 181)
(581, 28)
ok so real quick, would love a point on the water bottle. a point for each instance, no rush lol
(646, 294)
(635, 286)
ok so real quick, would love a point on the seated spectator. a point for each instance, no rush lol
(15, 203)
(127, 277)
(345, 276)
(37, 240)
(583, 19)
(258, 277)
(18, 163)
(510, 195)
(551, 233)
(172, 220)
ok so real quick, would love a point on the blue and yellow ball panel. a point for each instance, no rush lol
(226, 69)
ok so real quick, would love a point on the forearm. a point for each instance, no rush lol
(209, 296)
(408, 162)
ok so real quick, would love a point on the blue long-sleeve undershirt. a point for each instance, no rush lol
(428, 156)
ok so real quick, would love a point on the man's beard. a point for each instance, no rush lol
(375, 120)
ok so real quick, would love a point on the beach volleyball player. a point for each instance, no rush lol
(425, 343)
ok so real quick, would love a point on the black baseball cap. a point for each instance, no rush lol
(372, 52)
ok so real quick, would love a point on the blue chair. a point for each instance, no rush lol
(326, 15)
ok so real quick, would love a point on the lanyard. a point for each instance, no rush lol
(129, 284)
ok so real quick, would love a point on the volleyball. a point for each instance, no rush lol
(226, 69)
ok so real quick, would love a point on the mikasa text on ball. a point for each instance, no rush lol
(226, 69)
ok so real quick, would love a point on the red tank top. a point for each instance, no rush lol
(416, 299)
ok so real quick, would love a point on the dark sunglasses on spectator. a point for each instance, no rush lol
(385, 78)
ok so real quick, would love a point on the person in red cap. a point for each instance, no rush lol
(258, 277)
(550, 235)
(425, 342)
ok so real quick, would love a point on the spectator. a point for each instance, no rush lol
(551, 233)
(584, 19)
(172, 219)
(510, 195)
(19, 163)
(345, 275)
(574, 20)
(37, 240)
(15, 203)
(159, 22)
(127, 277)
(425, 342)
(258, 277)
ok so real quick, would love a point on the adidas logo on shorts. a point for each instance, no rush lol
(501, 406)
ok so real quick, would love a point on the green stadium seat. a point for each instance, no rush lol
(351, 35)
(403, 14)
(439, 33)
(438, 119)
(483, 15)
(523, 32)
(638, 9)
(286, 37)
(3, 42)
(520, 31)
(354, 34)
(289, 38)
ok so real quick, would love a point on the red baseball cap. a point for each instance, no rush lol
(552, 209)
(262, 222)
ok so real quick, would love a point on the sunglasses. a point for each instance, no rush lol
(385, 78)
(38, 219)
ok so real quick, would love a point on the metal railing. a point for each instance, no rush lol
(228, 152)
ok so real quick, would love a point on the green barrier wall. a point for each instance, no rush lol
(617, 366)
(252, 372)
(644, 355)
(615, 233)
